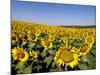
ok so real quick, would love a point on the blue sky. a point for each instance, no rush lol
(53, 14)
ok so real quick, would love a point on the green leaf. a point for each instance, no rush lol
(20, 65)
(48, 60)
(71, 41)
(31, 45)
(93, 51)
(28, 69)
(37, 46)
(82, 66)
(53, 70)
(20, 71)
(24, 43)
(35, 60)
(56, 70)
(52, 52)
(76, 44)
(44, 53)
(91, 58)
(59, 70)
(38, 67)
(92, 65)
(53, 64)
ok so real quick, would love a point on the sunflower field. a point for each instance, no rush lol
(37, 48)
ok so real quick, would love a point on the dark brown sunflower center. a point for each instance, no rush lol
(13, 38)
(84, 48)
(21, 55)
(33, 37)
(66, 56)
(25, 36)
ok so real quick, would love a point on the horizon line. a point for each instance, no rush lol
(54, 24)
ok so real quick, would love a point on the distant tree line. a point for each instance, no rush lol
(78, 26)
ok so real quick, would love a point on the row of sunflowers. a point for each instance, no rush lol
(39, 48)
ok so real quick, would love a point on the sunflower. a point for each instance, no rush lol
(84, 49)
(32, 37)
(33, 54)
(20, 54)
(51, 37)
(46, 43)
(14, 38)
(65, 39)
(65, 57)
(89, 40)
(23, 36)
(78, 36)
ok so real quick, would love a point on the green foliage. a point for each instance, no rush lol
(28, 69)
(38, 46)
(76, 42)
(82, 66)
(53, 64)
(37, 67)
(20, 65)
(44, 53)
(52, 52)
(48, 60)
(31, 44)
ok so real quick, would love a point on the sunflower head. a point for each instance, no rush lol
(14, 38)
(65, 57)
(33, 54)
(65, 39)
(51, 37)
(78, 36)
(32, 37)
(23, 36)
(84, 49)
(46, 43)
(20, 54)
(89, 40)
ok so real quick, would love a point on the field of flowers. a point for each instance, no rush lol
(37, 48)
